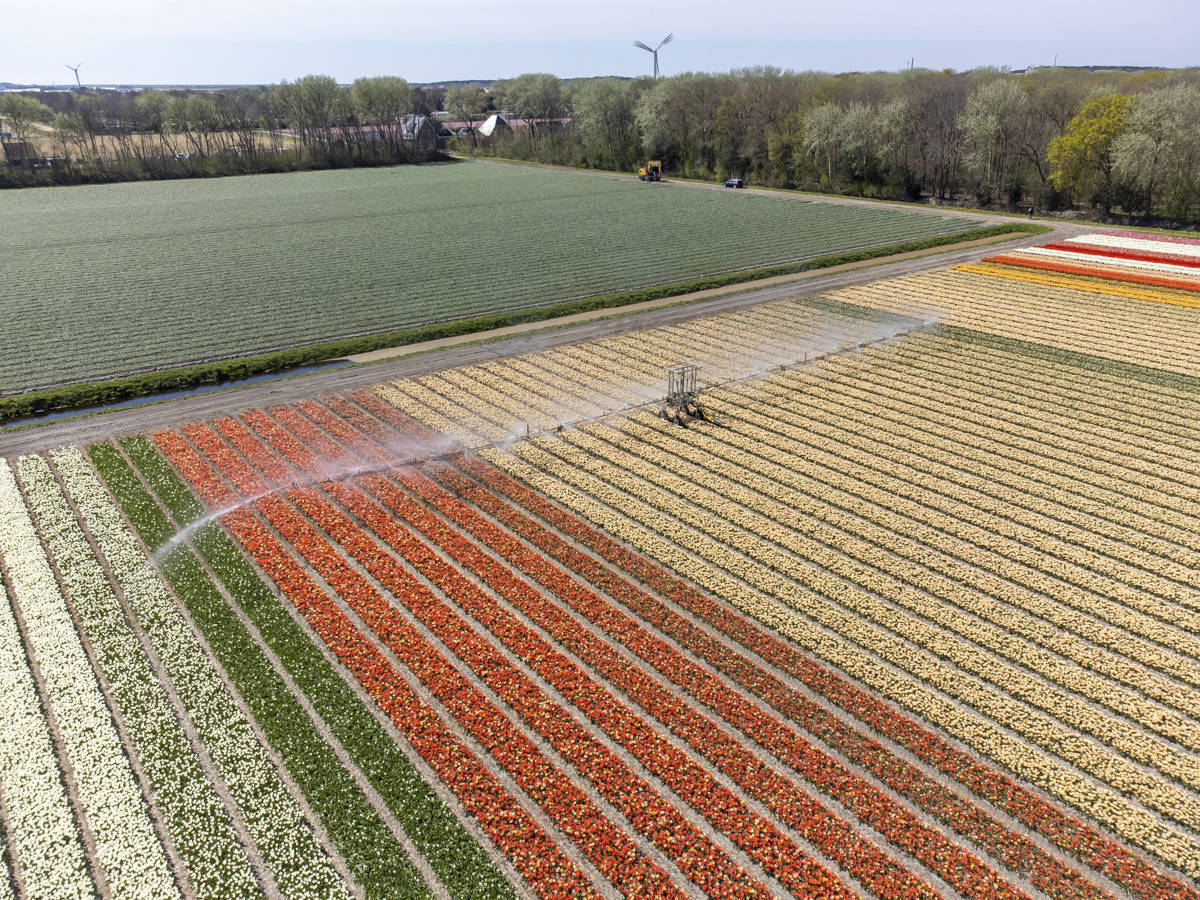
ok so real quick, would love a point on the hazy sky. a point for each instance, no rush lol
(253, 41)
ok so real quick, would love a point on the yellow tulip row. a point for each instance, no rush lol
(865, 513)
(718, 570)
(780, 560)
(1092, 569)
(1177, 469)
(1145, 413)
(1029, 427)
(1132, 331)
(804, 462)
(1093, 285)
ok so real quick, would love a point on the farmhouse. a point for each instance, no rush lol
(17, 153)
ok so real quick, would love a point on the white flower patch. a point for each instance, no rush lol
(1111, 261)
(127, 848)
(298, 863)
(216, 863)
(39, 817)
(1137, 244)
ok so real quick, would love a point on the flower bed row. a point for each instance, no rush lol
(534, 855)
(1047, 275)
(216, 864)
(297, 862)
(911, 426)
(1107, 273)
(644, 528)
(1029, 423)
(457, 859)
(965, 818)
(1119, 238)
(1068, 833)
(352, 825)
(933, 518)
(938, 599)
(127, 849)
(696, 855)
(963, 871)
(959, 869)
(1089, 248)
(39, 821)
(608, 847)
(781, 569)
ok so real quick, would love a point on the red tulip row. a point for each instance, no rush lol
(534, 855)
(1110, 274)
(695, 854)
(1015, 850)
(753, 833)
(958, 867)
(864, 860)
(343, 432)
(1175, 259)
(1072, 835)
(896, 822)
(606, 844)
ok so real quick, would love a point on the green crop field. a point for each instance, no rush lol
(104, 280)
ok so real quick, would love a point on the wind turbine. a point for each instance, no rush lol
(75, 69)
(654, 50)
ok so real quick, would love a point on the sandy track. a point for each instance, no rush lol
(88, 429)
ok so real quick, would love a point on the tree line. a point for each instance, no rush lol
(313, 122)
(1107, 141)
(1052, 138)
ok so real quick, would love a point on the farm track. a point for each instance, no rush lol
(89, 429)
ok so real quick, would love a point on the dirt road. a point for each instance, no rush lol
(87, 429)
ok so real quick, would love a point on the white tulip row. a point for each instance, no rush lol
(1129, 415)
(823, 500)
(1140, 244)
(42, 826)
(216, 863)
(620, 516)
(985, 538)
(297, 862)
(127, 849)
(1107, 262)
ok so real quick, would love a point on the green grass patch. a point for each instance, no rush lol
(461, 864)
(109, 280)
(98, 393)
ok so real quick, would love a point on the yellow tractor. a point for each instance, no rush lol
(652, 171)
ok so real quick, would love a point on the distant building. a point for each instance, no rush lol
(494, 126)
(20, 153)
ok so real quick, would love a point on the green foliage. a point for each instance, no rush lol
(1081, 159)
(20, 112)
(140, 277)
(370, 849)
(1160, 151)
(114, 390)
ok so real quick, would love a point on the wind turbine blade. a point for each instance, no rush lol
(643, 46)
(667, 39)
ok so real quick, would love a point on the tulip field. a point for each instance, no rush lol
(917, 615)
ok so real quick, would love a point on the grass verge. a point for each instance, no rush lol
(352, 824)
(98, 393)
